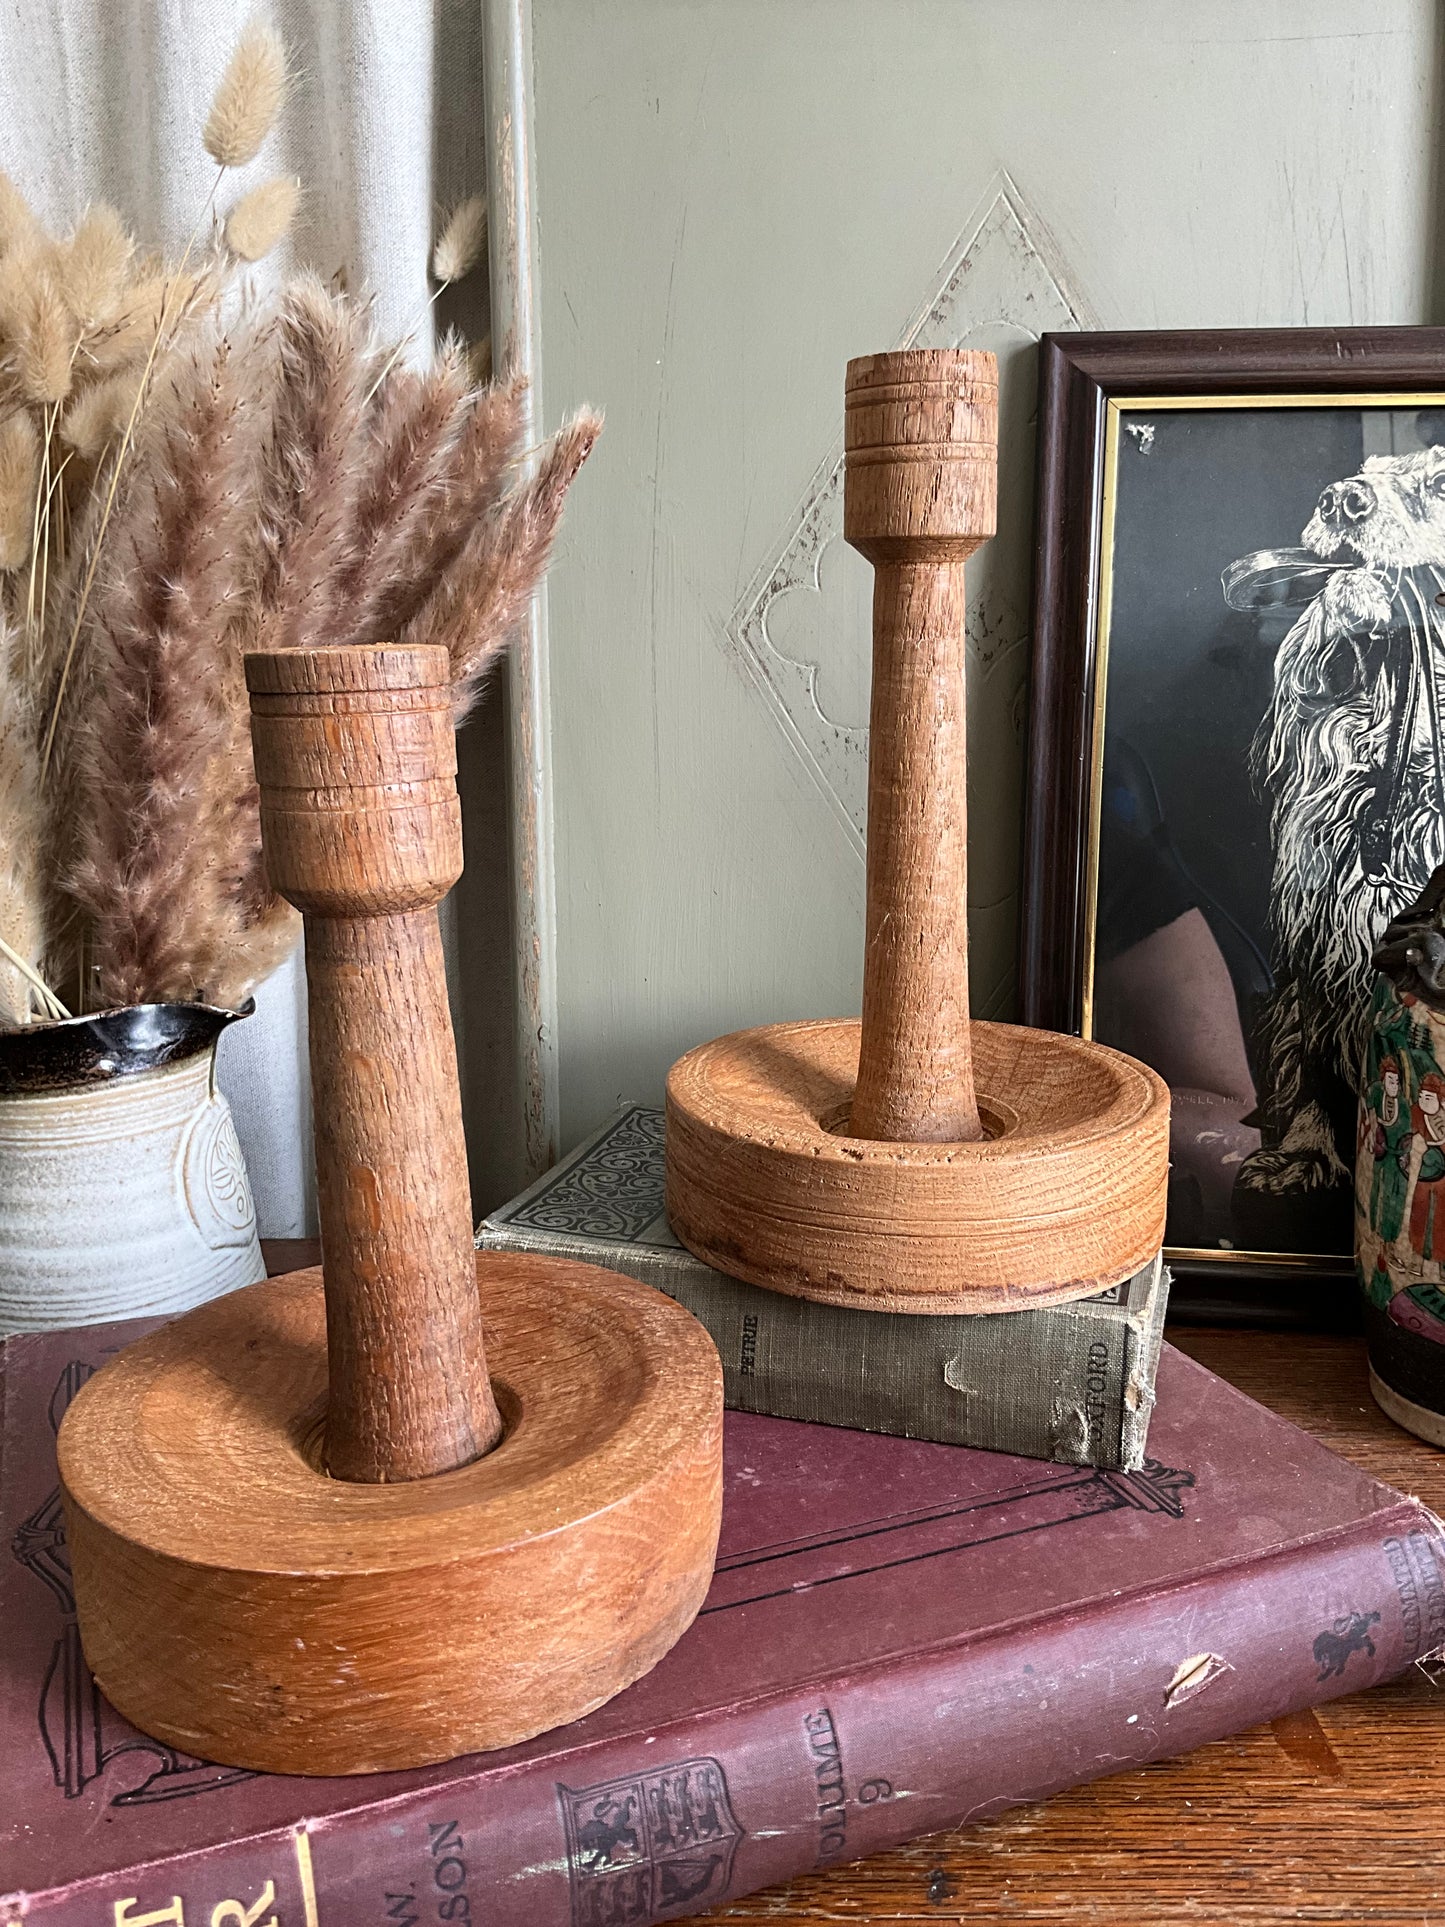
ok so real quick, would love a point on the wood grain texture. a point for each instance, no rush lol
(764, 1183)
(356, 760)
(1327, 1816)
(920, 495)
(241, 1605)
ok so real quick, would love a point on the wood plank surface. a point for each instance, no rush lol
(1331, 1815)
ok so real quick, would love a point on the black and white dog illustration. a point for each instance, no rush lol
(1350, 756)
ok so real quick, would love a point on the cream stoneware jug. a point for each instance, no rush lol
(123, 1193)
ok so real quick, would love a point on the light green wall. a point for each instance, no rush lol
(736, 195)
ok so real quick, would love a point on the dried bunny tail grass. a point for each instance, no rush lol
(93, 266)
(181, 297)
(248, 98)
(161, 683)
(23, 840)
(98, 415)
(411, 470)
(482, 596)
(19, 477)
(314, 467)
(40, 334)
(259, 219)
(17, 222)
(461, 242)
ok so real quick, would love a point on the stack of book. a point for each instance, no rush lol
(1074, 1382)
(901, 1634)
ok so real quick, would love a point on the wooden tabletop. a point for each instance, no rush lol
(1331, 1815)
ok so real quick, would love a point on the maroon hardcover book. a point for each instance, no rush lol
(900, 1637)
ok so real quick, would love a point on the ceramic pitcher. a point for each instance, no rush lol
(123, 1193)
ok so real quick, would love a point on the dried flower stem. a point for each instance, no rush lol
(50, 1003)
(42, 495)
(456, 253)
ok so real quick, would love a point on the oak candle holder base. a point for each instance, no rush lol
(240, 1604)
(1059, 1199)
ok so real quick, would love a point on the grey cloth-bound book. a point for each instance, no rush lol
(1071, 1382)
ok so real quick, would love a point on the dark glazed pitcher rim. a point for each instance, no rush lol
(42, 1059)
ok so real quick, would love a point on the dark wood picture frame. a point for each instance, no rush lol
(1079, 376)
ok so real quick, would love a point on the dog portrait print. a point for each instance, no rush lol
(1349, 757)
(1272, 787)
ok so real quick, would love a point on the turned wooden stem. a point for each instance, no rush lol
(920, 489)
(356, 762)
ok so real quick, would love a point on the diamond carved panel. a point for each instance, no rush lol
(802, 629)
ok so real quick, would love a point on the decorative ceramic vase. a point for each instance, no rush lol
(1400, 1170)
(123, 1193)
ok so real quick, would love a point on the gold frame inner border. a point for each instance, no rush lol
(1116, 407)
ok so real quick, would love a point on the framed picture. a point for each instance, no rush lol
(1237, 754)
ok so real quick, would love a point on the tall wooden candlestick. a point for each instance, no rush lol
(356, 759)
(920, 495)
(917, 1161)
(424, 1548)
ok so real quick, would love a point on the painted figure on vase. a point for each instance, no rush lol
(1427, 1206)
(1400, 1172)
(1387, 1115)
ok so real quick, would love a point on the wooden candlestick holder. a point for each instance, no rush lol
(498, 1503)
(916, 1161)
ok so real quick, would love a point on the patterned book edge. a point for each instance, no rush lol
(1072, 1383)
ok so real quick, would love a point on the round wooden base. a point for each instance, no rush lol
(237, 1603)
(1063, 1198)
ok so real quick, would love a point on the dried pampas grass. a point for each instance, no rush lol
(391, 507)
(162, 680)
(248, 98)
(480, 599)
(484, 461)
(280, 495)
(315, 464)
(259, 219)
(77, 314)
(410, 473)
